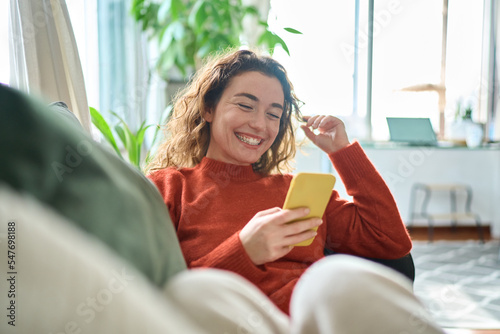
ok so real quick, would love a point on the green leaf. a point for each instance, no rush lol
(271, 40)
(178, 30)
(177, 9)
(164, 11)
(264, 24)
(129, 142)
(281, 42)
(166, 62)
(197, 16)
(141, 132)
(133, 152)
(121, 134)
(104, 128)
(265, 38)
(166, 40)
(293, 31)
(204, 51)
(137, 9)
(214, 12)
(118, 116)
(252, 10)
(150, 19)
(140, 139)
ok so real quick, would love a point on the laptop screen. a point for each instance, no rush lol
(413, 131)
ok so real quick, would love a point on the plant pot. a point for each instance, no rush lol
(457, 131)
(474, 134)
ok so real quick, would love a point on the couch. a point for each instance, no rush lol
(86, 242)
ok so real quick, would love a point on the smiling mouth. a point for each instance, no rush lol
(249, 140)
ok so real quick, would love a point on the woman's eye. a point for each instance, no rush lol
(274, 116)
(244, 106)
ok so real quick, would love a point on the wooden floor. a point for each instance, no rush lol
(460, 233)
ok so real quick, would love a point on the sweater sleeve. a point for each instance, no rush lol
(230, 255)
(370, 225)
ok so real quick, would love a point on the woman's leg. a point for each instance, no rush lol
(223, 302)
(347, 294)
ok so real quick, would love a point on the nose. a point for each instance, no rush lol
(258, 121)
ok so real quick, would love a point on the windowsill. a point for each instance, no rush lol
(441, 145)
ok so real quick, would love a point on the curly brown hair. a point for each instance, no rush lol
(187, 132)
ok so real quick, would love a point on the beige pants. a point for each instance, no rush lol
(339, 294)
(68, 282)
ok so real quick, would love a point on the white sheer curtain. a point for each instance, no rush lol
(43, 54)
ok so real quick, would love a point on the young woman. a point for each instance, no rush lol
(221, 174)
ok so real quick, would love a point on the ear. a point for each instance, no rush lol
(208, 115)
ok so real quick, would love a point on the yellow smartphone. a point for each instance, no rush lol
(312, 190)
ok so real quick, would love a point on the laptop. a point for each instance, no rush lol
(412, 131)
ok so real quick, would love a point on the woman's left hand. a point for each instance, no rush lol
(332, 135)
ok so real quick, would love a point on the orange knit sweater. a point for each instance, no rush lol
(210, 203)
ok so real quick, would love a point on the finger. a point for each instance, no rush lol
(267, 212)
(308, 132)
(302, 226)
(298, 238)
(330, 122)
(311, 120)
(288, 215)
(326, 123)
(317, 121)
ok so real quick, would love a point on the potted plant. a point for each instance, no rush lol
(463, 130)
(186, 31)
(473, 131)
(132, 143)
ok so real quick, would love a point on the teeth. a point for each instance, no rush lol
(248, 140)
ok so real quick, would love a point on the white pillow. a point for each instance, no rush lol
(64, 280)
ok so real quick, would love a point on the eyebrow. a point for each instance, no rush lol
(256, 99)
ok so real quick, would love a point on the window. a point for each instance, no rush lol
(321, 70)
(407, 55)
(406, 61)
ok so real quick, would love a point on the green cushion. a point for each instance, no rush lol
(53, 160)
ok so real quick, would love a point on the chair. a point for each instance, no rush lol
(453, 215)
(404, 265)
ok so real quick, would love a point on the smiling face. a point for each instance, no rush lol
(246, 119)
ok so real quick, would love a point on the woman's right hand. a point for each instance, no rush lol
(269, 236)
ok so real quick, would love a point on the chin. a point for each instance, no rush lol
(247, 161)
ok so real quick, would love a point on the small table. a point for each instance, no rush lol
(453, 215)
